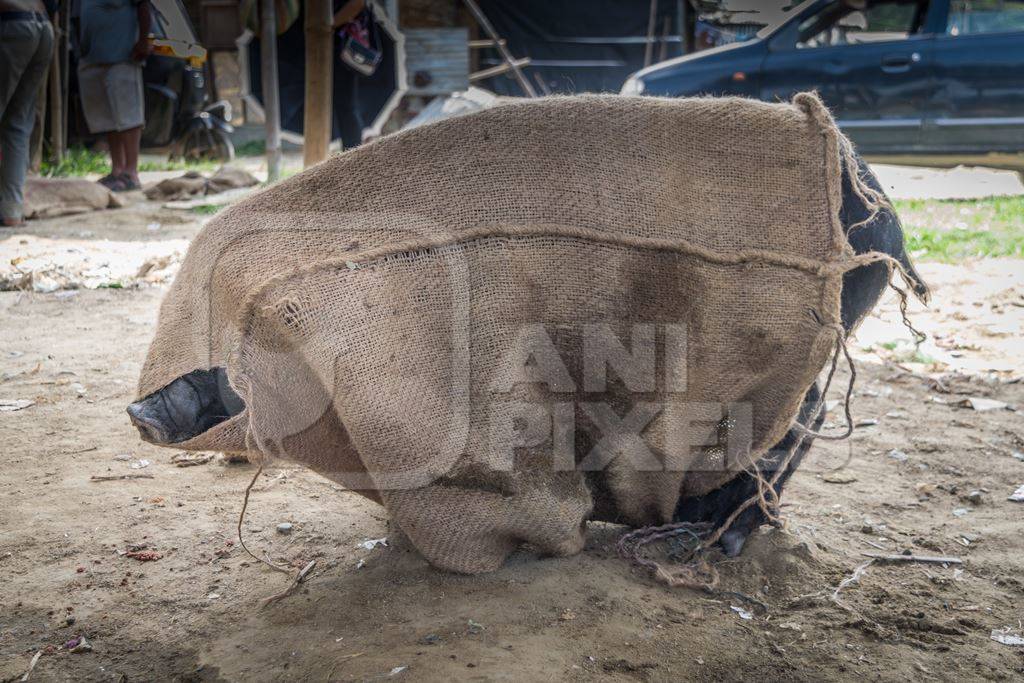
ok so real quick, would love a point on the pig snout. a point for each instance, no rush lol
(185, 408)
(147, 419)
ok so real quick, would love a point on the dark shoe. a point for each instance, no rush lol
(123, 183)
(107, 181)
(130, 183)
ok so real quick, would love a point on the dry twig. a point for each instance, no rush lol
(81, 450)
(32, 665)
(118, 477)
(299, 578)
(886, 557)
(850, 580)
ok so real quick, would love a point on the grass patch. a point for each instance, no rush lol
(207, 209)
(251, 148)
(80, 161)
(953, 230)
(179, 165)
(902, 351)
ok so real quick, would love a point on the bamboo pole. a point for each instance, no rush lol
(686, 26)
(666, 26)
(506, 55)
(65, 67)
(35, 140)
(57, 142)
(652, 19)
(316, 123)
(271, 95)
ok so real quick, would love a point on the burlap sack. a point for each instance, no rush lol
(192, 183)
(385, 314)
(51, 197)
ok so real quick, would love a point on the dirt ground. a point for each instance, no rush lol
(931, 477)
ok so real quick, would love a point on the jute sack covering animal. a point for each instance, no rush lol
(193, 183)
(414, 318)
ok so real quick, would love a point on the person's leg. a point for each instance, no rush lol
(125, 93)
(25, 51)
(96, 90)
(17, 46)
(115, 141)
(130, 141)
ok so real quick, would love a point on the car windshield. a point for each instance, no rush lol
(851, 22)
(789, 13)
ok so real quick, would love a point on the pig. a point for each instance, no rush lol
(862, 288)
(198, 401)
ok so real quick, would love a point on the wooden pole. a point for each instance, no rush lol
(65, 66)
(57, 94)
(316, 122)
(652, 19)
(35, 140)
(349, 11)
(271, 94)
(666, 26)
(506, 55)
(686, 20)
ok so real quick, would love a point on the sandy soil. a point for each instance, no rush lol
(961, 182)
(931, 478)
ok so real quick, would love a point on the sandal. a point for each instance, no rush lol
(128, 184)
(123, 183)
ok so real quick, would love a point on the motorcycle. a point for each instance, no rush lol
(179, 113)
(180, 116)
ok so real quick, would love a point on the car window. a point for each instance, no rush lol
(967, 17)
(852, 22)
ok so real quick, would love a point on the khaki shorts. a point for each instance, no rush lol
(111, 96)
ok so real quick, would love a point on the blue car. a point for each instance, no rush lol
(918, 81)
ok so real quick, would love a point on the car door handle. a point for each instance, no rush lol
(899, 63)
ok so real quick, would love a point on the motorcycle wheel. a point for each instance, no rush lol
(207, 144)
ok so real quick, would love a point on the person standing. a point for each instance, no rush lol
(26, 47)
(113, 42)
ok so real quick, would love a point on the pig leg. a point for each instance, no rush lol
(715, 507)
(862, 288)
